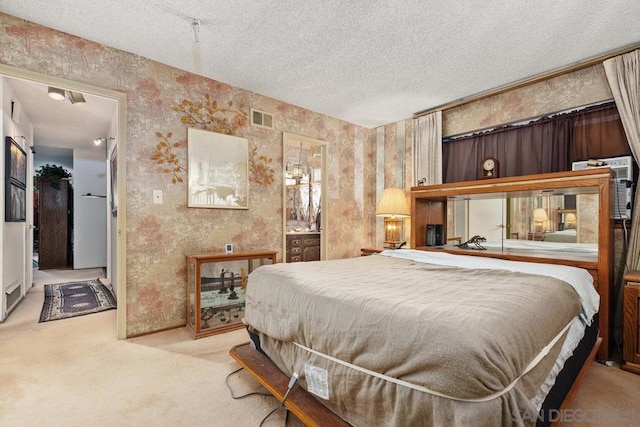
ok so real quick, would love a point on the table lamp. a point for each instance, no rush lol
(394, 208)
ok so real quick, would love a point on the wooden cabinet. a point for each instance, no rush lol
(436, 204)
(54, 231)
(631, 323)
(216, 284)
(302, 247)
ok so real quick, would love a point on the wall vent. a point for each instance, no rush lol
(12, 297)
(262, 119)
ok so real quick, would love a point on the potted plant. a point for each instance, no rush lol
(52, 174)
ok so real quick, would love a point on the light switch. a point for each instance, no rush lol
(157, 197)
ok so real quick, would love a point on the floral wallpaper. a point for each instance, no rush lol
(581, 87)
(161, 102)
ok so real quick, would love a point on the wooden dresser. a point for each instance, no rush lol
(302, 247)
(631, 323)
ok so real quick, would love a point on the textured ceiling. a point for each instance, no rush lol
(363, 61)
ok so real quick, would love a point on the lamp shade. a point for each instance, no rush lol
(540, 214)
(570, 220)
(393, 203)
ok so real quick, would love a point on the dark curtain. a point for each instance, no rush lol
(546, 145)
(542, 146)
(598, 133)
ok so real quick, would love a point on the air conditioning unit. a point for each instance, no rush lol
(621, 183)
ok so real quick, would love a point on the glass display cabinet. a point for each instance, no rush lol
(216, 284)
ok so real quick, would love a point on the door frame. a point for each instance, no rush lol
(293, 139)
(121, 100)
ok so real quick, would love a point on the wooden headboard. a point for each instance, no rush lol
(429, 206)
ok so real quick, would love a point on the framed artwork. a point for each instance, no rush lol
(218, 170)
(113, 171)
(15, 182)
(17, 206)
(16, 162)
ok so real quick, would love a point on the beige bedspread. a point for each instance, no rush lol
(464, 333)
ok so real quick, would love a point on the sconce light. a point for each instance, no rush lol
(394, 208)
(99, 140)
(539, 218)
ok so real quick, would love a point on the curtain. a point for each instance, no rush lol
(623, 74)
(598, 133)
(427, 149)
(543, 146)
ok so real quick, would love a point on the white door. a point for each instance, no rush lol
(487, 218)
(16, 280)
(28, 246)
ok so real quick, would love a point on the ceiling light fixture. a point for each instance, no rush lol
(56, 93)
(76, 97)
(195, 27)
(60, 94)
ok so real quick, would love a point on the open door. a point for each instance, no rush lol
(18, 220)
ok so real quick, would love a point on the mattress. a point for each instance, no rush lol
(415, 337)
(548, 244)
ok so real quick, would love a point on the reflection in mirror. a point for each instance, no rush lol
(304, 189)
(303, 214)
(555, 218)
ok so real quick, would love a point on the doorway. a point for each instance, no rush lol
(116, 238)
(304, 198)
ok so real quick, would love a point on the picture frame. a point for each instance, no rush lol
(113, 173)
(16, 204)
(218, 170)
(16, 163)
(15, 182)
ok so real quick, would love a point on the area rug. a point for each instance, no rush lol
(64, 300)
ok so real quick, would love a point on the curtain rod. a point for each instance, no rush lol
(520, 83)
(595, 106)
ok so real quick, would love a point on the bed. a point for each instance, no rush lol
(550, 245)
(564, 236)
(412, 337)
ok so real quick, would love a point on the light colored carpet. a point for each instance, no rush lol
(73, 372)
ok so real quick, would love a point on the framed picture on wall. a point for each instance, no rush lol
(15, 182)
(113, 173)
(218, 170)
(16, 162)
(17, 204)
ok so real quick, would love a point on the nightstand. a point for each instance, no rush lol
(631, 323)
(369, 251)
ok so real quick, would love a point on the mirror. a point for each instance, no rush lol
(304, 218)
(557, 218)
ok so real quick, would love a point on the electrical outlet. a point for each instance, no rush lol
(157, 197)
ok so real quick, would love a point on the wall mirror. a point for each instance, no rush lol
(304, 205)
(535, 217)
